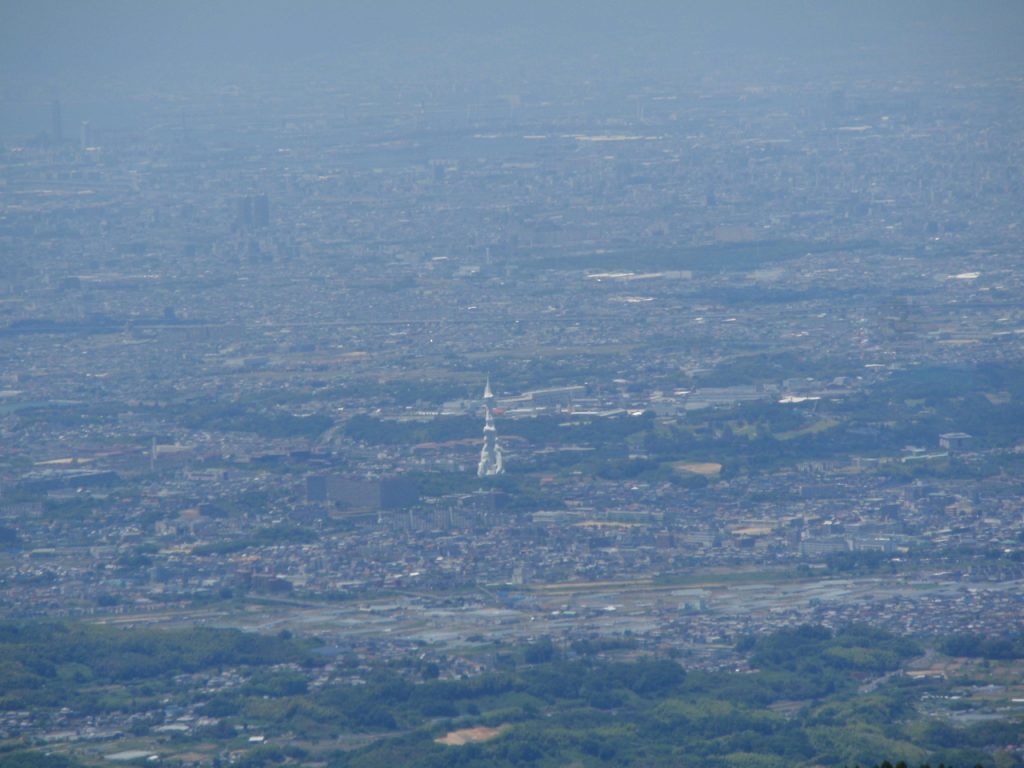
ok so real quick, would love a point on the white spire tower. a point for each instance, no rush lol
(490, 454)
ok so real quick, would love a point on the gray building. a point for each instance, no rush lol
(362, 493)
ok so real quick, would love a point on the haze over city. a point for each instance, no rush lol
(549, 384)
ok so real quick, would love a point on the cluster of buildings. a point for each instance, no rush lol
(191, 324)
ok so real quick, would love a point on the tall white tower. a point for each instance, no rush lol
(490, 453)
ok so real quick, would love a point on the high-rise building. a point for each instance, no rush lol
(253, 211)
(261, 211)
(85, 135)
(56, 124)
(244, 212)
(490, 453)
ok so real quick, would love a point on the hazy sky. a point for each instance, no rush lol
(72, 46)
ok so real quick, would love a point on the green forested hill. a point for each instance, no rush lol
(812, 697)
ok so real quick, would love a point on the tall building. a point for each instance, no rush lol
(85, 135)
(261, 211)
(56, 124)
(245, 212)
(253, 211)
(490, 453)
